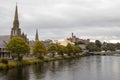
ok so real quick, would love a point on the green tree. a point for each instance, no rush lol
(91, 47)
(39, 49)
(98, 43)
(52, 48)
(104, 46)
(111, 47)
(61, 50)
(18, 46)
(117, 45)
(69, 49)
(76, 50)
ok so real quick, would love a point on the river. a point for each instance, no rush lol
(85, 68)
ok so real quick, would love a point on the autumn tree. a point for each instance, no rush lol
(52, 48)
(61, 50)
(18, 46)
(76, 50)
(39, 49)
(69, 49)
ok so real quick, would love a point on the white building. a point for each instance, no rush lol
(63, 42)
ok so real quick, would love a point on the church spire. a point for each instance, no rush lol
(16, 31)
(36, 36)
(16, 20)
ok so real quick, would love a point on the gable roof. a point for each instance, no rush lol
(3, 40)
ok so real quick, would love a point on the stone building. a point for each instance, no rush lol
(63, 42)
(15, 32)
(36, 36)
(77, 40)
(32, 42)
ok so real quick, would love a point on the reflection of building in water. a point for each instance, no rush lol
(77, 40)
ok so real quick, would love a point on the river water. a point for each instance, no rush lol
(85, 68)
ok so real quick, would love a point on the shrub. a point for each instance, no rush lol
(2, 66)
(41, 57)
(4, 60)
(12, 64)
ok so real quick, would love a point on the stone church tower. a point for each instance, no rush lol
(36, 36)
(16, 31)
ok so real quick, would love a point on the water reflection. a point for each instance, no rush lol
(86, 68)
(17, 74)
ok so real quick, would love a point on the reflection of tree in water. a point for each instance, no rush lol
(53, 67)
(18, 74)
(3, 74)
(98, 63)
(56, 65)
(70, 62)
(39, 70)
(61, 65)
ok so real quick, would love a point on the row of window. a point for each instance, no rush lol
(2, 49)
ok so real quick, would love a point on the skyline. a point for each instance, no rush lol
(58, 19)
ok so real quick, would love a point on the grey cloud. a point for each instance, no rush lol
(55, 19)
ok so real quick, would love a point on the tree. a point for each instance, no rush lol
(18, 46)
(104, 46)
(91, 47)
(111, 46)
(52, 48)
(39, 49)
(117, 45)
(69, 49)
(61, 50)
(98, 43)
(76, 50)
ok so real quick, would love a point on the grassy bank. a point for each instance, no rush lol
(13, 63)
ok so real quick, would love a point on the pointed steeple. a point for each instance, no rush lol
(16, 20)
(15, 31)
(36, 36)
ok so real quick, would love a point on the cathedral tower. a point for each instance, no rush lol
(16, 31)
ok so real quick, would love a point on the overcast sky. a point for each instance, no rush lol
(57, 19)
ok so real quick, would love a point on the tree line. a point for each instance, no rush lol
(18, 47)
(98, 46)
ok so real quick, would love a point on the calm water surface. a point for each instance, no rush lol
(86, 68)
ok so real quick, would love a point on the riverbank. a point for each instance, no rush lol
(105, 53)
(13, 63)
